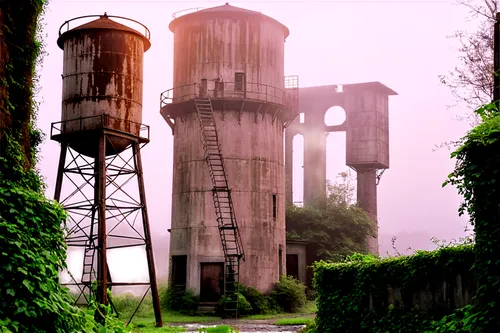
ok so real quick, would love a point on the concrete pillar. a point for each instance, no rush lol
(314, 164)
(367, 199)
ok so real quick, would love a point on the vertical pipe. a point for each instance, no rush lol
(147, 234)
(100, 198)
(496, 62)
(60, 171)
(289, 166)
(367, 200)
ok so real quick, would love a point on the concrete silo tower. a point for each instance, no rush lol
(227, 111)
(101, 137)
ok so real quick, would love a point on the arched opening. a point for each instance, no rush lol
(335, 116)
(298, 169)
(335, 156)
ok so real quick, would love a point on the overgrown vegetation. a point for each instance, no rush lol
(334, 227)
(33, 248)
(218, 329)
(293, 321)
(368, 294)
(183, 301)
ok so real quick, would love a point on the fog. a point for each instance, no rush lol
(402, 44)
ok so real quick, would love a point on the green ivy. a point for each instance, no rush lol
(32, 247)
(346, 290)
(477, 178)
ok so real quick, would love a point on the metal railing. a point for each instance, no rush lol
(97, 122)
(186, 11)
(228, 90)
(146, 33)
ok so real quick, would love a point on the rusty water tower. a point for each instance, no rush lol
(101, 137)
(228, 109)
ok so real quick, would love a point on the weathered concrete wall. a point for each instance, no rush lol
(217, 44)
(448, 294)
(253, 157)
(102, 74)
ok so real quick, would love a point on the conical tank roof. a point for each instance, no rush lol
(224, 11)
(102, 23)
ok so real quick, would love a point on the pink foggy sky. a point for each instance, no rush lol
(401, 44)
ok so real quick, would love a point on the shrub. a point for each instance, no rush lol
(289, 294)
(244, 307)
(126, 304)
(354, 296)
(260, 303)
(176, 299)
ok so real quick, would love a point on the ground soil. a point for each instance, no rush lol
(247, 325)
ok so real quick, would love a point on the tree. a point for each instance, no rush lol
(335, 226)
(472, 80)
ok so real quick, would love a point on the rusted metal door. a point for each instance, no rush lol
(212, 281)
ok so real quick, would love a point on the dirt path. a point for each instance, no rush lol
(248, 325)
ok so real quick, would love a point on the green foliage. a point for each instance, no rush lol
(293, 321)
(244, 307)
(334, 227)
(218, 329)
(289, 294)
(126, 304)
(345, 290)
(476, 177)
(260, 303)
(310, 328)
(184, 301)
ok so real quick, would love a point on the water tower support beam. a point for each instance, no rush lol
(105, 207)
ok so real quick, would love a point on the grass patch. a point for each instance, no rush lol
(294, 321)
(164, 329)
(217, 329)
(308, 309)
(173, 317)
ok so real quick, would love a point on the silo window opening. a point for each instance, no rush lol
(239, 81)
(179, 271)
(280, 262)
(302, 117)
(275, 208)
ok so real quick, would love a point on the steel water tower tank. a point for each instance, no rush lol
(229, 62)
(102, 81)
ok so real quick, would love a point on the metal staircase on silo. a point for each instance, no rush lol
(224, 210)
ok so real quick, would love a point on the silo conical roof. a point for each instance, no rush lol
(224, 10)
(102, 23)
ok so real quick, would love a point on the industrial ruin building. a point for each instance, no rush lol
(367, 140)
(228, 110)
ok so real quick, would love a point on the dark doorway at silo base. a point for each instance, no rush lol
(212, 281)
(292, 265)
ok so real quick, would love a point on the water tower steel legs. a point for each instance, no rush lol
(100, 173)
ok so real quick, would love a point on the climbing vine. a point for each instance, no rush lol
(32, 247)
(368, 294)
(477, 178)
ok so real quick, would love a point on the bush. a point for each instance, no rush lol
(244, 307)
(126, 304)
(260, 303)
(354, 296)
(289, 294)
(176, 299)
